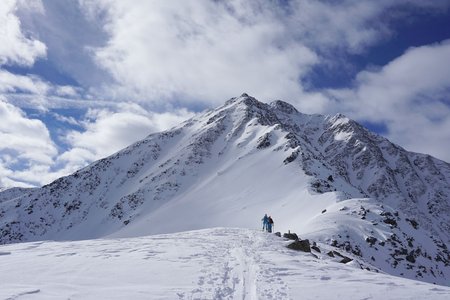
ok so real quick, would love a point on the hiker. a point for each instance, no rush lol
(265, 222)
(270, 224)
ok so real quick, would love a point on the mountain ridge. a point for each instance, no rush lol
(230, 165)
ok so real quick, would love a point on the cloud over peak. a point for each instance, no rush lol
(100, 74)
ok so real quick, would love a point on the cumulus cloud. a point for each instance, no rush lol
(205, 51)
(69, 34)
(19, 47)
(409, 95)
(351, 26)
(15, 46)
(107, 131)
(191, 52)
(199, 51)
(29, 156)
(10, 83)
(31, 91)
(26, 144)
(29, 138)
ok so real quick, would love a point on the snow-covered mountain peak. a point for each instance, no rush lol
(326, 177)
(244, 98)
(251, 104)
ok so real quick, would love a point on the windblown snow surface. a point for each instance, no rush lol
(219, 263)
(324, 177)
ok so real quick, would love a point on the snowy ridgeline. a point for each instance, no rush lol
(220, 263)
(325, 177)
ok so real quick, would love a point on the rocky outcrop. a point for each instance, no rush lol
(300, 245)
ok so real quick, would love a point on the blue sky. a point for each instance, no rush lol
(81, 79)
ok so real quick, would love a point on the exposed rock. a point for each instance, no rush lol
(410, 257)
(315, 248)
(291, 236)
(371, 240)
(346, 260)
(263, 141)
(300, 245)
(413, 223)
(291, 157)
(390, 221)
(321, 186)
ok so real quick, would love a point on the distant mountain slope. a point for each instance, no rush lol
(229, 166)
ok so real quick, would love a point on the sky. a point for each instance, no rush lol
(82, 79)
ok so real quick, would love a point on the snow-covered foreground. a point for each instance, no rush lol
(220, 263)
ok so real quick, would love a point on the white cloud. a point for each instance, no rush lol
(19, 47)
(15, 46)
(69, 35)
(418, 71)
(25, 144)
(409, 95)
(343, 25)
(199, 50)
(10, 82)
(205, 51)
(31, 91)
(29, 157)
(351, 26)
(67, 91)
(29, 138)
(66, 119)
(107, 131)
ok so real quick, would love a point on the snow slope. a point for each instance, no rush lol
(325, 177)
(219, 263)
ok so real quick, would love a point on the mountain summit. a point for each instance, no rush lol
(325, 177)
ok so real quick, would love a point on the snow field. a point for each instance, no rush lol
(219, 263)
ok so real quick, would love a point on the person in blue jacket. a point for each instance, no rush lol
(265, 222)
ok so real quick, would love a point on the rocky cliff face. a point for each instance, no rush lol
(399, 200)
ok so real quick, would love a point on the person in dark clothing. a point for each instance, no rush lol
(270, 224)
